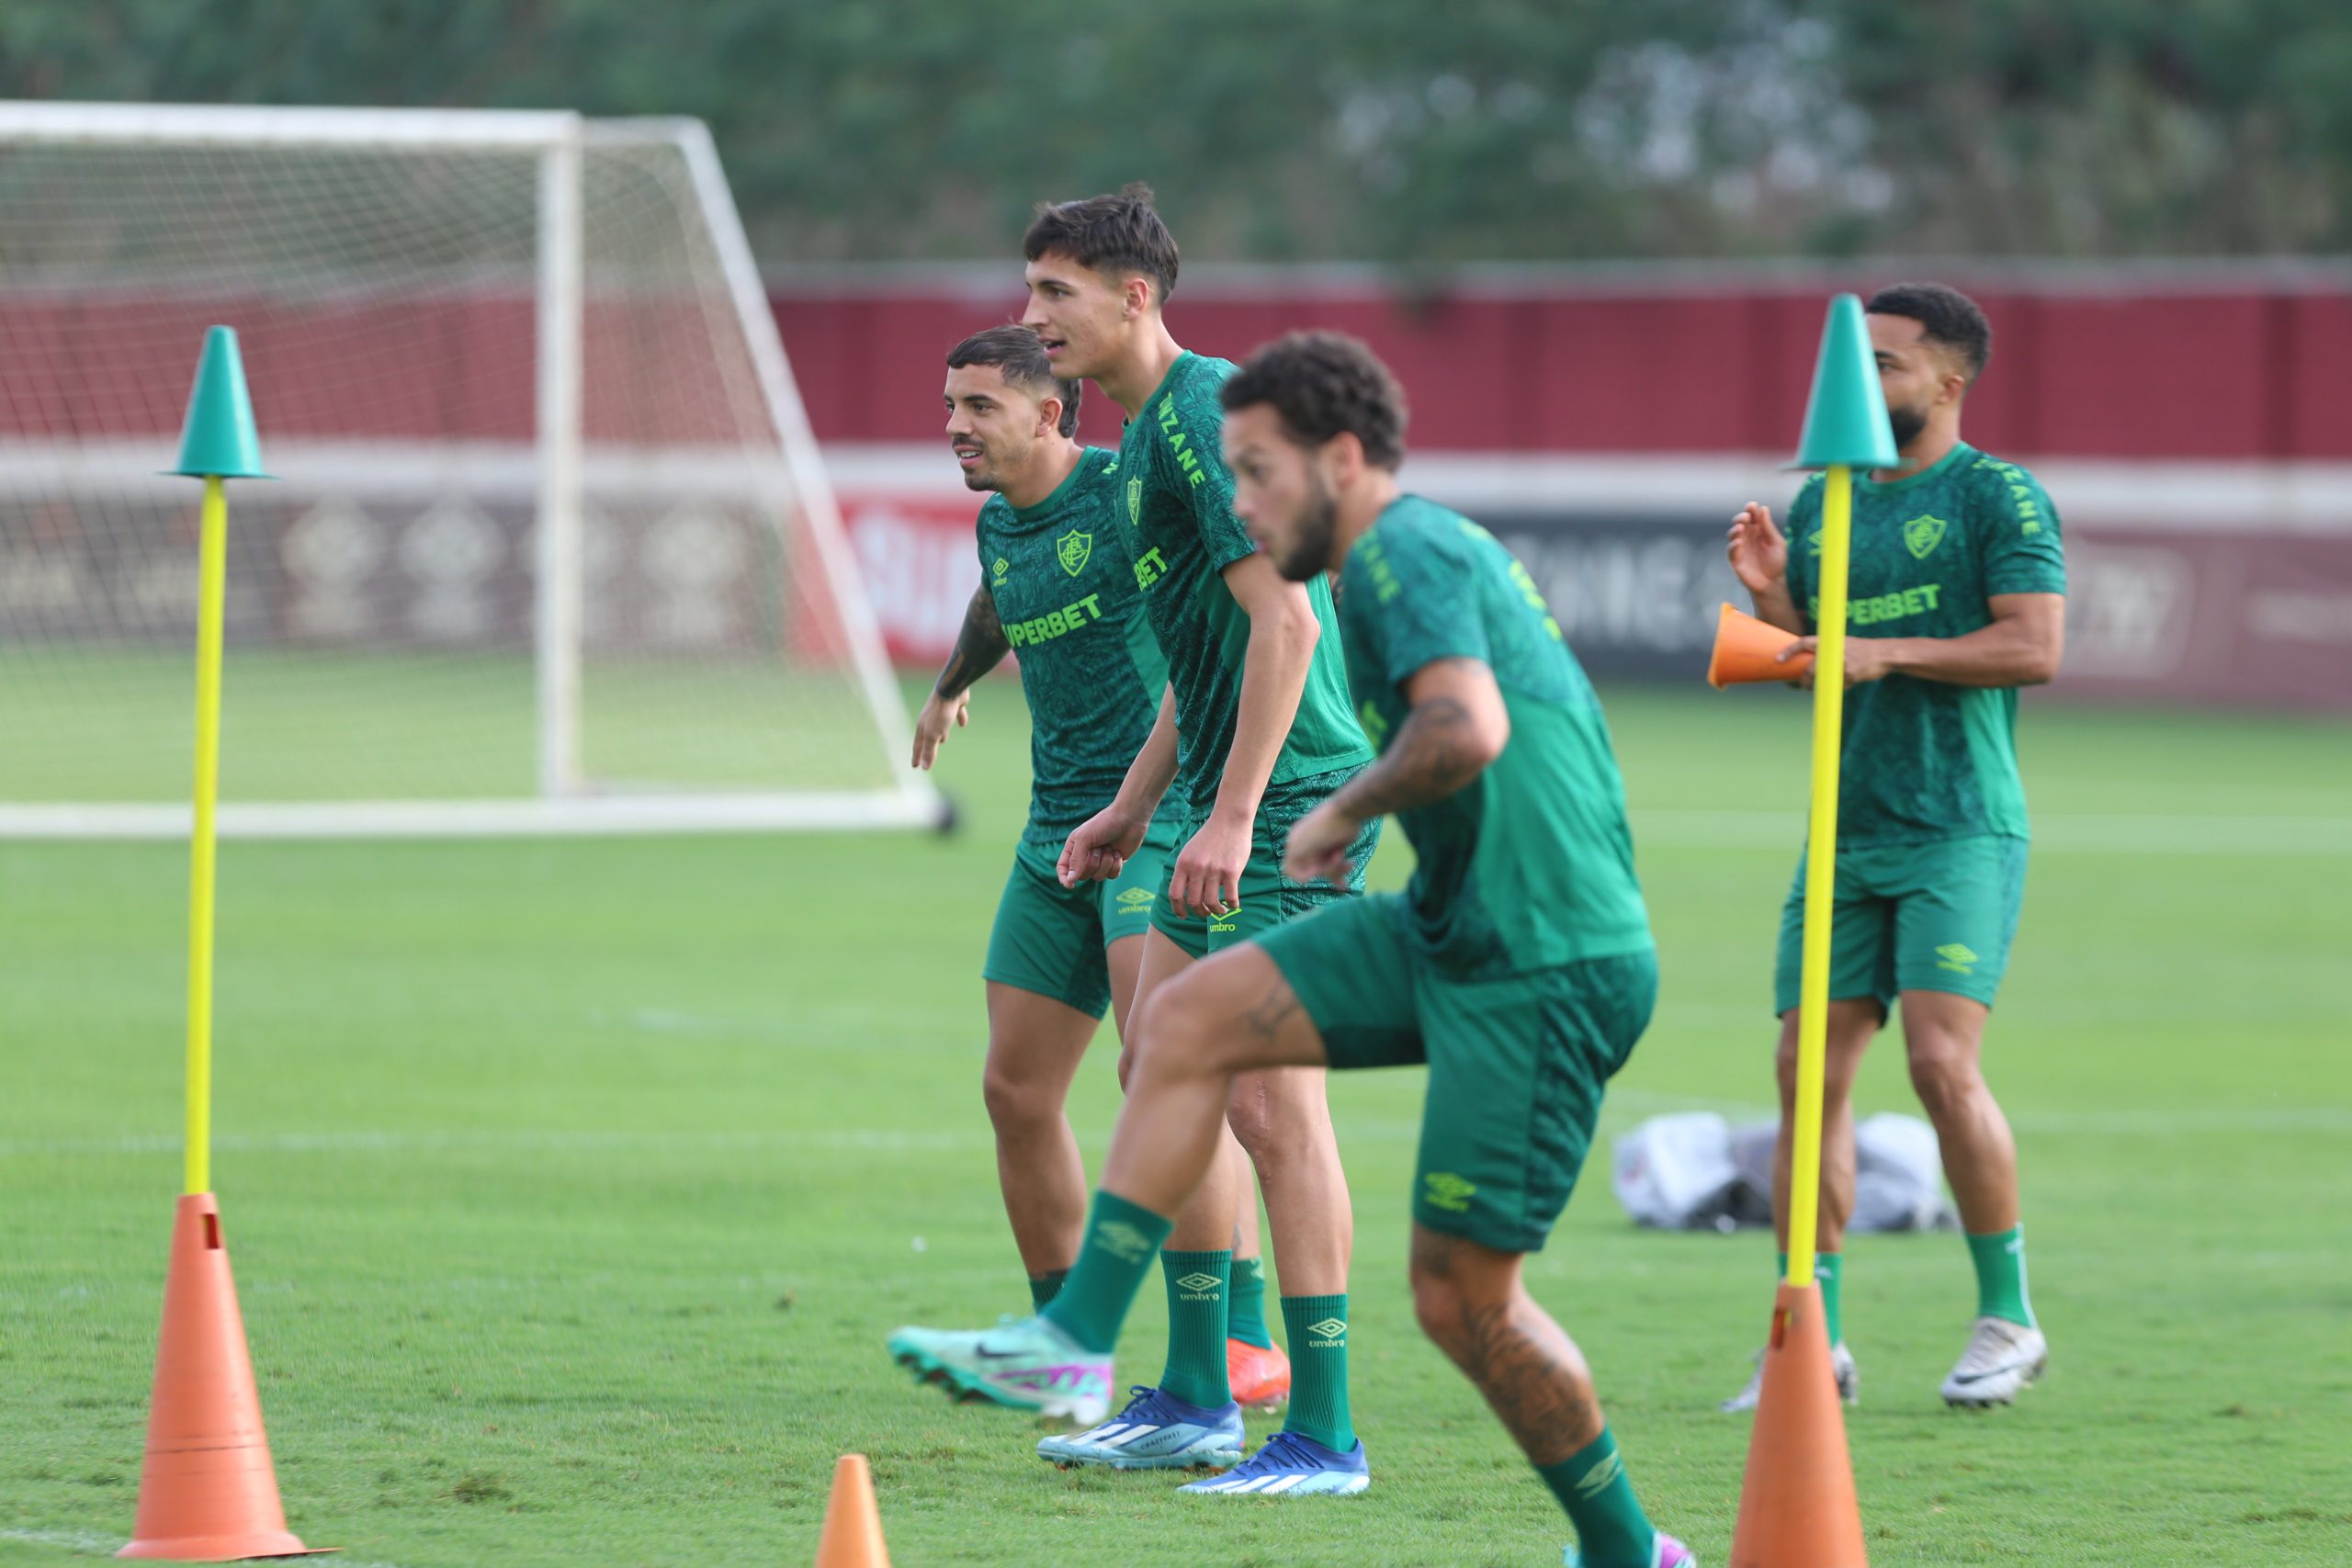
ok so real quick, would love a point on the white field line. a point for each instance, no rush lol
(2118, 835)
(1623, 1104)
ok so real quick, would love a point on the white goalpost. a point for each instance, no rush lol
(551, 550)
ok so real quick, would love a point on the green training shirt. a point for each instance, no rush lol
(1066, 596)
(1530, 863)
(1923, 760)
(1182, 536)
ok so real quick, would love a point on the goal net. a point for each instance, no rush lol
(550, 547)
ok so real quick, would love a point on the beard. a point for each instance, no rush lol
(1309, 551)
(1907, 423)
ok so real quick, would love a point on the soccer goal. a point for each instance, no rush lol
(552, 547)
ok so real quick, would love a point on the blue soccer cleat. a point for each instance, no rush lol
(1667, 1552)
(1292, 1466)
(1156, 1432)
(1026, 1363)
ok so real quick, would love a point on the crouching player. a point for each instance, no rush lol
(1519, 965)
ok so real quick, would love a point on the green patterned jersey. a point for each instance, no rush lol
(1924, 759)
(1530, 863)
(1182, 535)
(1067, 599)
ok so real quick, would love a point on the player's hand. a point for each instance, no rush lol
(1319, 846)
(939, 714)
(1207, 879)
(1867, 659)
(1760, 555)
(1098, 849)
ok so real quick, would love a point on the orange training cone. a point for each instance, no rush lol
(852, 1536)
(1747, 649)
(1797, 1507)
(207, 1493)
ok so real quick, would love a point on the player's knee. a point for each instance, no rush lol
(1440, 1307)
(1249, 1113)
(1015, 1101)
(1176, 1039)
(1944, 1073)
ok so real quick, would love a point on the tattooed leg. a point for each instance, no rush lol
(1470, 1303)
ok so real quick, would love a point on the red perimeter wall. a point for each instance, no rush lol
(2251, 367)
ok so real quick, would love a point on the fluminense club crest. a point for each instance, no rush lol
(1072, 550)
(1923, 534)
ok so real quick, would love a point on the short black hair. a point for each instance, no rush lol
(1322, 383)
(1014, 350)
(1109, 233)
(1945, 315)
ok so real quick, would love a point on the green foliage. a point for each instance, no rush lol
(1382, 129)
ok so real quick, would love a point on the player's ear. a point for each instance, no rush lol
(1135, 297)
(1049, 416)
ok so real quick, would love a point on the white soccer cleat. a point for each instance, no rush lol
(1849, 1382)
(2002, 1358)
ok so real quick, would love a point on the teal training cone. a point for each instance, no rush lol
(1845, 419)
(219, 439)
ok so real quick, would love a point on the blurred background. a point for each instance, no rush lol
(1593, 241)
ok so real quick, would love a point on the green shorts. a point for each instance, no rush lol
(1050, 939)
(1517, 1063)
(1936, 917)
(1266, 899)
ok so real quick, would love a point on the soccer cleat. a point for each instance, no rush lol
(1026, 1363)
(1291, 1466)
(1260, 1377)
(1668, 1554)
(1849, 1382)
(1156, 1432)
(2002, 1358)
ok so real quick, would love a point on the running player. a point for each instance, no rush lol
(1518, 965)
(1957, 598)
(1055, 583)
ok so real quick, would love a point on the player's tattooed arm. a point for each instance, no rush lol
(980, 646)
(1458, 725)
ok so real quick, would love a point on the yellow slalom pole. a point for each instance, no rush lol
(1820, 874)
(210, 616)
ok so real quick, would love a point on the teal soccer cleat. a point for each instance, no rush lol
(1025, 1363)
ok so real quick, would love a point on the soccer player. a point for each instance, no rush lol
(1957, 598)
(1257, 732)
(1055, 583)
(1518, 964)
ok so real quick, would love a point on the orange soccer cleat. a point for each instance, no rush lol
(1261, 1379)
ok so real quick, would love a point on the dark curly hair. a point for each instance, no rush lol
(1021, 358)
(1109, 233)
(1945, 315)
(1320, 384)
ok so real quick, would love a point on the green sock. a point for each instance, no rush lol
(1828, 1272)
(1092, 1303)
(2001, 1275)
(1043, 1287)
(1245, 1317)
(1316, 1328)
(1611, 1530)
(1197, 1285)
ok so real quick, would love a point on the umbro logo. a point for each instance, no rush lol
(1596, 1480)
(1956, 958)
(1123, 1240)
(1197, 1281)
(1330, 1328)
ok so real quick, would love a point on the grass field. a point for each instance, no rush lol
(571, 1188)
